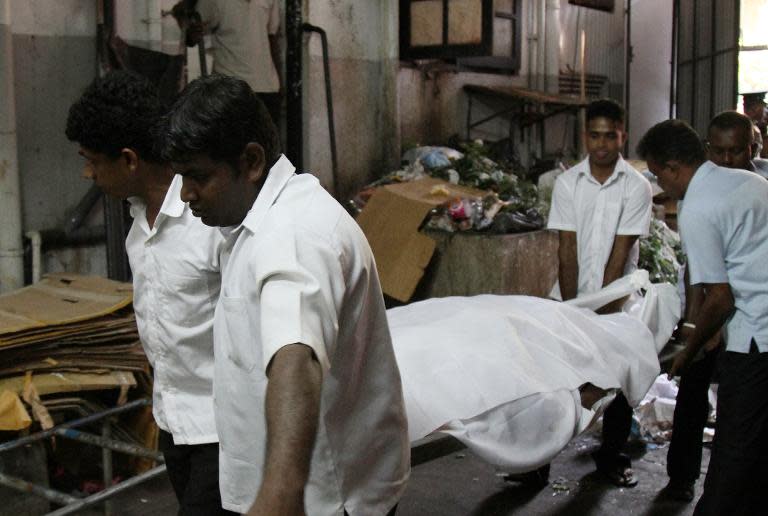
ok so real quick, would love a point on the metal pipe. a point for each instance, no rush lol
(44, 492)
(11, 246)
(37, 243)
(55, 238)
(552, 46)
(329, 103)
(106, 458)
(541, 60)
(10, 445)
(109, 443)
(293, 80)
(109, 492)
(673, 60)
(83, 208)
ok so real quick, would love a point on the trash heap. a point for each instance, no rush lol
(511, 204)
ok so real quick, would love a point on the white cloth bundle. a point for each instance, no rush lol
(501, 373)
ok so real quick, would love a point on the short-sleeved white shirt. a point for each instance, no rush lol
(299, 270)
(724, 229)
(597, 213)
(240, 30)
(176, 285)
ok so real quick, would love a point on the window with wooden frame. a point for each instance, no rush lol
(481, 33)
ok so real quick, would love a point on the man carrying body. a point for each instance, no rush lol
(724, 229)
(600, 208)
(308, 397)
(175, 265)
(729, 145)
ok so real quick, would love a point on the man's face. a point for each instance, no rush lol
(756, 112)
(668, 178)
(604, 140)
(730, 148)
(215, 191)
(113, 175)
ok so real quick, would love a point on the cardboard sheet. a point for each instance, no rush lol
(61, 298)
(391, 222)
(13, 415)
(51, 383)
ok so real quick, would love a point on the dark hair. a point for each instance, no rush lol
(672, 140)
(117, 111)
(218, 116)
(605, 108)
(731, 120)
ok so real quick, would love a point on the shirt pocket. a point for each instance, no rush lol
(240, 333)
(189, 300)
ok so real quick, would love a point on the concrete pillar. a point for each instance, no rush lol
(11, 250)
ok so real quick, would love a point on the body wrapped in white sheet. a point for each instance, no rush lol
(502, 373)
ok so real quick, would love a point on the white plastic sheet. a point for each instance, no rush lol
(501, 373)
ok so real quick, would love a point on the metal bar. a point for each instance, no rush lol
(109, 443)
(44, 492)
(673, 60)
(737, 26)
(495, 115)
(293, 78)
(694, 67)
(713, 48)
(701, 57)
(108, 493)
(106, 458)
(10, 445)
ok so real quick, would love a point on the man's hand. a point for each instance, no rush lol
(273, 502)
(681, 363)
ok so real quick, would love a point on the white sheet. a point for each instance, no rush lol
(501, 373)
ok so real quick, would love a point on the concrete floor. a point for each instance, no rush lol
(458, 484)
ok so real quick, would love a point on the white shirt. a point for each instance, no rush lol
(299, 270)
(240, 30)
(597, 213)
(724, 230)
(176, 284)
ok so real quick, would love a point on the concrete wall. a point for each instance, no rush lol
(433, 106)
(55, 59)
(650, 70)
(363, 48)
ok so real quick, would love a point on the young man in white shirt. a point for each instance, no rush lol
(175, 264)
(724, 229)
(600, 208)
(308, 397)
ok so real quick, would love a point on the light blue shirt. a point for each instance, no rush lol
(724, 229)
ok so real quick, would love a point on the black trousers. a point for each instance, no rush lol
(736, 482)
(691, 412)
(617, 423)
(194, 473)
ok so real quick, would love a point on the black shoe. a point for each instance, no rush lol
(680, 491)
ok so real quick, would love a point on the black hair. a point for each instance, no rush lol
(218, 116)
(605, 108)
(117, 111)
(672, 140)
(732, 120)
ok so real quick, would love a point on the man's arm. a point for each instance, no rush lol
(614, 269)
(292, 409)
(274, 50)
(717, 306)
(568, 269)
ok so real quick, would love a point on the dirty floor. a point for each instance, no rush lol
(458, 484)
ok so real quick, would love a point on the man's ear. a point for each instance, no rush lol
(254, 161)
(131, 159)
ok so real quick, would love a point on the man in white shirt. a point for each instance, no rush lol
(245, 43)
(308, 397)
(600, 208)
(724, 229)
(176, 279)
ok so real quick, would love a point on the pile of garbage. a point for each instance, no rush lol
(511, 205)
(661, 253)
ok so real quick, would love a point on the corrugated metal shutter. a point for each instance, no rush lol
(707, 59)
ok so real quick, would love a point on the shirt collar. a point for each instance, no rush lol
(277, 178)
(172, 205)
(619, 169)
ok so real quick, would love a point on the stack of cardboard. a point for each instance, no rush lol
(69, 333)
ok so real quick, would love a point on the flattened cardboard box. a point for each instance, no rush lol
(391, 221)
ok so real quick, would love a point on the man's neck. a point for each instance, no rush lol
(157, 179)
(601, 173)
